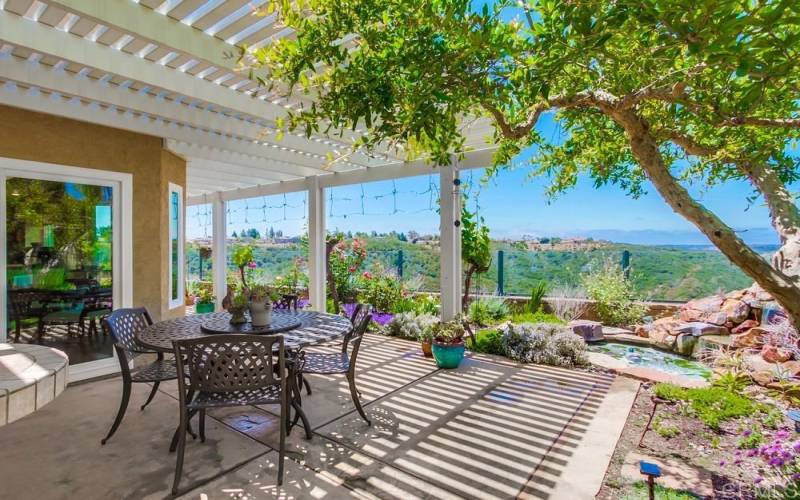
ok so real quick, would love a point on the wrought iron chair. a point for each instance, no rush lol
(230, 370)
(123, 324)
(344, 362)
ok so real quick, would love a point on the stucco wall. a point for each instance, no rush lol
(40, 137)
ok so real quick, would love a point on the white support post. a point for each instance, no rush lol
(316, 245)
(450, 241)
(218, 255)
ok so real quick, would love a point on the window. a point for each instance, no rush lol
(175, 246)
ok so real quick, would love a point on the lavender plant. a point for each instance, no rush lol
(543, 343)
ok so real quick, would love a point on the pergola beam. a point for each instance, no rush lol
(473, 159)
(141, 22)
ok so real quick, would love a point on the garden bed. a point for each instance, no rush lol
(702, 461)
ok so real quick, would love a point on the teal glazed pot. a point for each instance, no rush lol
(204, 307)
(448, 355)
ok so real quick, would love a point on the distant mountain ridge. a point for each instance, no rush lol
(762, 236)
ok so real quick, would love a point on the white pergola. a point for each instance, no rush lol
(163, 68)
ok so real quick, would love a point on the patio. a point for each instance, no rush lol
(489, 429)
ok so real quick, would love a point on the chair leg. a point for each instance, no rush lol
(123, 405)
(305, 383)
(18, 328)
(354, 394)
(282, 439)
(181, 448)
(202, 426)
(39, 331)
(152, 394)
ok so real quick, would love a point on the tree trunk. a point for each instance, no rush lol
(646, 151)
(784, 214)
(467, 283)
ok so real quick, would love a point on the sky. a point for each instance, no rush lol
(512, 204)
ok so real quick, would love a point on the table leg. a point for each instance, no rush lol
(296, 400)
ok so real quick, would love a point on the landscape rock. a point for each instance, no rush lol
(792, 367)
(744, 326)
(699, 329)
(736, 294)
(773, 354)
(750, 338)
(735, 310)
(762, 378)
(662, 338)
(642, 330)
(589, 330)
(755, 363)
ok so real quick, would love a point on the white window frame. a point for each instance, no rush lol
(178, 302)
(122, 242)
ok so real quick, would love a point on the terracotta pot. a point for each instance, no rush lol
(427, 349)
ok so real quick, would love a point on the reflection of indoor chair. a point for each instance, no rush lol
(96, 306)
(25, 304)
(67, 313)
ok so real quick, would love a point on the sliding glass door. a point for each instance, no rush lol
(62, 235)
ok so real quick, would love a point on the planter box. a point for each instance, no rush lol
(204, 307)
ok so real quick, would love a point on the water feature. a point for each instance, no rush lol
(656, 359)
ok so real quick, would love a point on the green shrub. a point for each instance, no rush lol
(537, 317)
(380, 290)
(487, 311)
(411, 326)
(640, 492)
(666, 431)
(487, 342)
(537, 294)
(733, 381)
(751, 439)
(712, 405)
(614, 295)
(543, 343)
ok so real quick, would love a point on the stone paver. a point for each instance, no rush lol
(490, 429)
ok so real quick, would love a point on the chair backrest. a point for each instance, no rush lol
(286, 302)
(354, 336)
(226, 363)
(356, 311)
(124, 324)
(22, 301)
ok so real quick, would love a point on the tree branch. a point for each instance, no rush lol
(519, 131)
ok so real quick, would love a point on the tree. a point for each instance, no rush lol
(665, 92)
(234, 235)
(475, 248)
(253, 233)
(402, 237)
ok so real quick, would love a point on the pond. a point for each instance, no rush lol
(656, 359)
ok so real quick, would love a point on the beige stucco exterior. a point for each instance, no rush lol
(40, 137)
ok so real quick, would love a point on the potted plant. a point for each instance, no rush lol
(205, 301)
(426, 341)
(239, 303)
(261, 298)
(448, 343)
(242, 258)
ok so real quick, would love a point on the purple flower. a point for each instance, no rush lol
(758, 479)
(382, 318)
(747, 433)
(722, 463)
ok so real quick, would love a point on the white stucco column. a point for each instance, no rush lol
(450, 241)
(316, 244)
(219, 258)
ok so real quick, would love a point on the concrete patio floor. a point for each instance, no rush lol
(491, 429)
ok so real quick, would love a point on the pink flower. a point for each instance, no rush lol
(251, 265)
(367, 275)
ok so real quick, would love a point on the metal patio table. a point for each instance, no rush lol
(300, 329)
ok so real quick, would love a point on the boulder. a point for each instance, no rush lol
(662, 338)
(749, 338)
(792, 367)
(642, 330)
(755, 363)
(736, 294)
(706, 304)
(589, 330)
(762, 378)
(698, 329)
(773, 354)
(735, 310)
(744, 326)
(685, 343)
